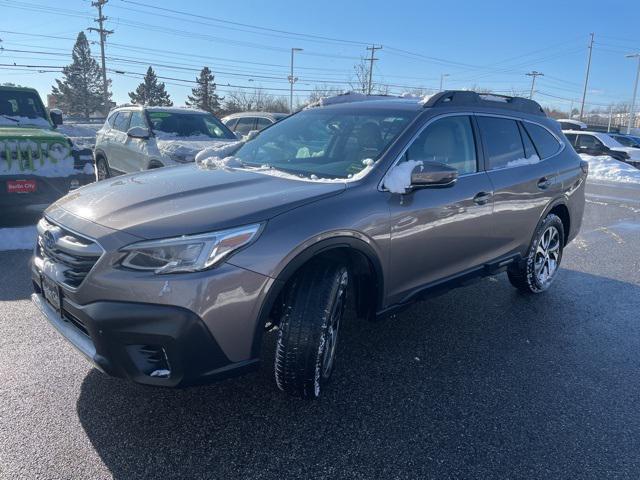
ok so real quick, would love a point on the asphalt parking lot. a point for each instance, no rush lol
(481, 382)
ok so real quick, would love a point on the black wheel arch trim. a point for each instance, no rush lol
(303, 257)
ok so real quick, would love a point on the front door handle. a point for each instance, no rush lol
(482, 198)
(544, 183)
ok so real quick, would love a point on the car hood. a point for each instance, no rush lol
(634, 153)
(187, 147)
(187, 199)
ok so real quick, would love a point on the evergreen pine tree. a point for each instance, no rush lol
(204, 94)
(151, 92)
(80, 91)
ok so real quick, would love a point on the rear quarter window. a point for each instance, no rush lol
(545, 143)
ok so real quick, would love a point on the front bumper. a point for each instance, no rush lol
(149, 344)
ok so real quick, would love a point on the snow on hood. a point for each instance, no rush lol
(173, 145)
(82, 136)
(58, 161)
(607, 168)
(17, 121)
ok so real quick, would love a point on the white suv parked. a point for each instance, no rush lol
(140, 138)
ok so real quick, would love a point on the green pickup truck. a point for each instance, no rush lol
(38, 165)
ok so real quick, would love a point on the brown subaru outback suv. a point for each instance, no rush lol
(170, 277)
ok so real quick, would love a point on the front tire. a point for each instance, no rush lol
(540, 268)
(102, 169)
(309, 327)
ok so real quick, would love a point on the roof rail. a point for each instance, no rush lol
(464, 98)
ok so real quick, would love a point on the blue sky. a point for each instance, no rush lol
(478, 44)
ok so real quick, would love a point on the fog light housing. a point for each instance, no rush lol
(151, 360)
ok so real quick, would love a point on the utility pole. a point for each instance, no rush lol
(635, 90)
(533, 76)
(442, 77)
(292, 80)
(586, 78)
(373, 49)
(103, 37)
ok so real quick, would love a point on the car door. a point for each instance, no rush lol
(118, 154)
(525, 178)
(437, 233)
(137, 149)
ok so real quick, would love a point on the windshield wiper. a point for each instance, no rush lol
(10, 118)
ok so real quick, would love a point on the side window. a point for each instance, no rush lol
(262, 123)
(588, 141)
(112, 119)
(449, 141)
(245, 125)
(137, 119)
(545, 143)
(502, 140)
(571, 137)
(231, 124)
(122, 121)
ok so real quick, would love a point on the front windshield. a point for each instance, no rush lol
(21, 107)
(326, 144)
(188, 124)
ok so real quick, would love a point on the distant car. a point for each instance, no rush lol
(597, 143)
(136, 138)
(626, 140)
(243, 123)
(38, 163)
(569, 124)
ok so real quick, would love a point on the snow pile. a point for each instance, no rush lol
(523, 161)
(15, 120)
(187, 148)
(493, 98)
(219, 151)
(214, 163)
(19, 238)
(399, 177)
(607, 168)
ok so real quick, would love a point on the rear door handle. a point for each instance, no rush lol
(482, 198)
(544, 183)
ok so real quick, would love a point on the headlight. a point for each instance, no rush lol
(190, 253)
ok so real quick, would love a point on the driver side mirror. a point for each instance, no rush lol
(433, 174)
(138, 132)
(56, 116)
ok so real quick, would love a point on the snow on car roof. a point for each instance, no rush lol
(605, 138)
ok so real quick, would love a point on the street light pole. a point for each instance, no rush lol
(292, 80)
(442, 77)
(635, 90)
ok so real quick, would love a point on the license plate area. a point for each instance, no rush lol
(52, 293)
(21, 186)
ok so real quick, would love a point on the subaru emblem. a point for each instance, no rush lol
(49, 239)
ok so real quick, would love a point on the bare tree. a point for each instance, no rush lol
(254, 100)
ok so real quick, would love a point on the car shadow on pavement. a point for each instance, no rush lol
(15, 275)
(480, 382)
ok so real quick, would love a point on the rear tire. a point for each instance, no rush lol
(102, 169)
(309, 327)
(538, 270)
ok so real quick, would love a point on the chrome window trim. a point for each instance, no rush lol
(518, 119)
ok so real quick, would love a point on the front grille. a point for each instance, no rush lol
(74, 255)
